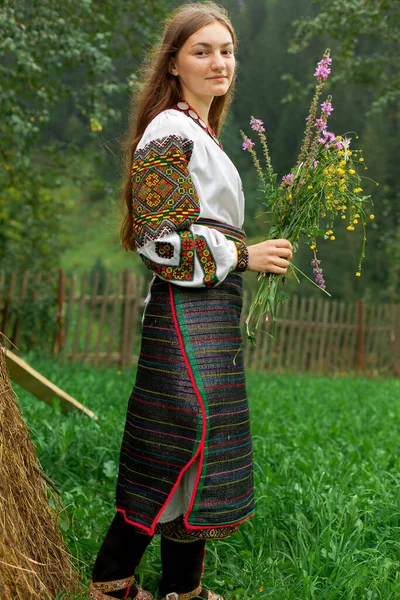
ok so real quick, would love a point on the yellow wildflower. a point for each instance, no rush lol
(332, 237)
(340, 171)
(358, 190)
(339, 138)
(343, 216)
(350, 228)
(351, 171)
(329, 232)
(358, 274)
(372, 216)
(309, 187)
(342, 163)
(356, 216)
(355, 221)
(313, 246)
(361, 159)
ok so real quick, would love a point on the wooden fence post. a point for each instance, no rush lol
(360, 329)
(60, 310)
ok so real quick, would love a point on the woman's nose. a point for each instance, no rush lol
(218, 62)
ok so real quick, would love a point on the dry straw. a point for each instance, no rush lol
(34, 563)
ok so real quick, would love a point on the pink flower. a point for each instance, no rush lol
(320, 123)
(247, 144)
(257, 125)
(327, 108)
(318, 273)
(328, 137)
(288, 179)
(323, 70)
(338, 145)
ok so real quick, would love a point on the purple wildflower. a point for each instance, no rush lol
(338, 145)
(315, 163)
(327, 108)
(320, 123)
(323, 70)
(288, 179)
(257, 125)
(331, 137)
(328, 137)
(318, 273)
(247, 144)
(302, 182)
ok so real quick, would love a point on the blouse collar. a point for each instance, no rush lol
(184, 107)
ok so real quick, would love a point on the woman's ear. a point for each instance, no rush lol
(172, 69)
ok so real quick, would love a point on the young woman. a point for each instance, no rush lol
(186, 459)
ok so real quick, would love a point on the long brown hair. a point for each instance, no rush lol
(160, 90)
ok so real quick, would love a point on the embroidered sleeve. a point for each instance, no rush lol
(165, 209)
(242, 257)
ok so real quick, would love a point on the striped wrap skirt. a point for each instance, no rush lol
(189, 406)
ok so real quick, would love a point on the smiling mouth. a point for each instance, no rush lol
(219, 77)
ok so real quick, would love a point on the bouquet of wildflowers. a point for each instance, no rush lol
(324, 186)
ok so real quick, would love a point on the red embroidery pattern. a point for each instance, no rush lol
(164, 197)
(206, 260)
(185, 269)
(164, 250)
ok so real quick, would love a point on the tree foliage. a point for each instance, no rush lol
(57, 56)
(366, 35)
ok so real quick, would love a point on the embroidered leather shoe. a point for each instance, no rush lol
(190, 595)
(98, 590)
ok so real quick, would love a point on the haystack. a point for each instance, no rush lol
(34, 562)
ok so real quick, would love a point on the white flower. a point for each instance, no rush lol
(346, 145)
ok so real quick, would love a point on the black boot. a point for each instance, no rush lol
(182, 564)
(120, 554)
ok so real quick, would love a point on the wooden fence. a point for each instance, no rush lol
(97, 319)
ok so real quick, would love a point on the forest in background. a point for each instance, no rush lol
(67, 74)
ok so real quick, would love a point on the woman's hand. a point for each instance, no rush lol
(271, 256)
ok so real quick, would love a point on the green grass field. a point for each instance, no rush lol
(327, 468)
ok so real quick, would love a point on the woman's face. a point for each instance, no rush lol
(205, 64)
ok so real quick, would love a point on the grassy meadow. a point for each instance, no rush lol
(327, 464)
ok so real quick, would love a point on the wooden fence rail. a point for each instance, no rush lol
(98, 318)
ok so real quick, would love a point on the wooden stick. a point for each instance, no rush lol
(42, 388)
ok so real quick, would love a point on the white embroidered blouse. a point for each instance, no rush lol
(181, 174)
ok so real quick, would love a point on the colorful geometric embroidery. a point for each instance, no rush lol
(164, 197)
(164, 250)
(176, 530)
(185, 108)
(185, 269)
(242, 257)
(206, 260)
